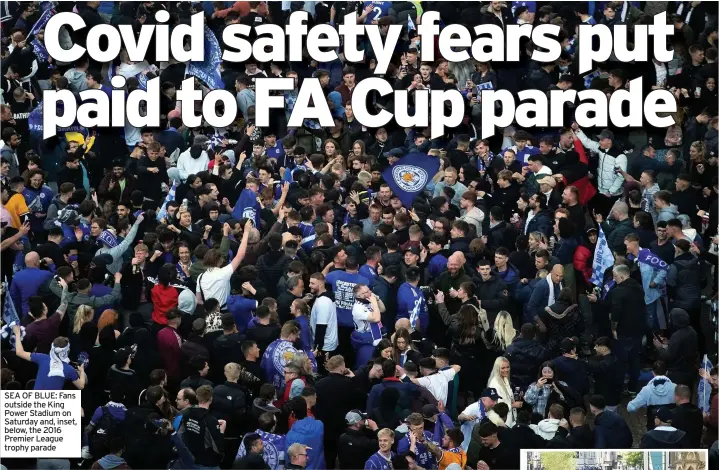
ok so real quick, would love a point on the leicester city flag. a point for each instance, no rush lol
(208, 71)
(409, 176)
(603, 259)
(247, 207)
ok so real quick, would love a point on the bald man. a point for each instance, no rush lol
(545, 293)
(27, 281)
(451, 279)
(618, 226)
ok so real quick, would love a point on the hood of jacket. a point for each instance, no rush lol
(679, 318)
(667, 436)
(564, 314)
(111, 461)
(687, 261)
(671, 210)
(77, 79)
(546, 428)
(661, 386)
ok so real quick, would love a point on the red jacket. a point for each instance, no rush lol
(164, 298)
(168, 345)
(586, 189)
(583, 259)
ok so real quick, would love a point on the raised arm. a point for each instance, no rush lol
(243, 246)
(19, 351)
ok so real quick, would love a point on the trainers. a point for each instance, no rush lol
(85, 453)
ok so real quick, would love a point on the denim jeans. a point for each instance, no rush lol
(629, 349)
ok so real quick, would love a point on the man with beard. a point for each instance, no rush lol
(8, 152)
(452, 279)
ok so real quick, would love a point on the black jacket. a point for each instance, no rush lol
(681, 353)
(251, 461)
(608, 375)
(684, 281)
(230, 401)
(492, 294)
(225, 349)
(132, 284)
(611, 432)
(525, 355)
(200, 431)
(501, 235)
(688, 418)
(616, 231)
(329, 409)
(629, 309)
(270, 268)
(665, 437)
(263, 335)
(355, 447)
(581, 437)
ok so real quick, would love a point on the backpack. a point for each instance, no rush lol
(106, 428)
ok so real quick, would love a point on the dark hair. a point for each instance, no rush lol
(167, 274)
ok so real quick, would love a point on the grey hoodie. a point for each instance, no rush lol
(118, 251)
(77, 79)
(667, 214)
(659, 391)
(546, 428)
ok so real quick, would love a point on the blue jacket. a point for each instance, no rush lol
(407, 392)
(659, 391)
(541, 222)
(540, 298)
(611, 432)
(510, 277)
(411, 303)
(564, 250)
(25, 284)
(310, 432)
(649, 275)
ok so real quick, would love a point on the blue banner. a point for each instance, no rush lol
(162, 213)
(35, 124)
(40, 51)
(603, 259)
(704, 389)
(274, 360)
(247, 207)
(409, 176)
(208, 71)
(589, 77)
(647, 257)
(42, 21)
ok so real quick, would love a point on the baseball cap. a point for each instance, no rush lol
(354, 417)
(396, 152)
(429, 411)
(490, 392)
(665, 415)
(412, 249)
(606, 134)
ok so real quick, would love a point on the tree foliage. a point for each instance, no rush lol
(559, 460)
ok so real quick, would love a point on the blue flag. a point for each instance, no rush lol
(44, 18)
(162, 213)
(209, 69)
(40, 51)
(531, 6)
(410, 24)
(704, 389)
(603, 259)
(274, 360)
(35, 124)
(141, 76)
(409, 176)
(589, 77)
(647, 257)
(247, 207)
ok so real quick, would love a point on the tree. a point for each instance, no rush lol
(634, 459)
(559, 460)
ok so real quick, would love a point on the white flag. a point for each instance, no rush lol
(603, 259)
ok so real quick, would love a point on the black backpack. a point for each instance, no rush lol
(106, 428)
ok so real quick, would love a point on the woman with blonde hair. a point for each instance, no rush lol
(502, 333)
(499, 380)
(108, 318)
(699, 169)
(84, 314)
